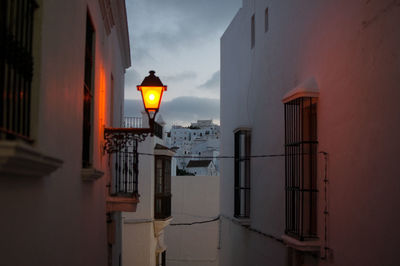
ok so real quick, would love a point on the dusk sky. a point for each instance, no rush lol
(179, 39)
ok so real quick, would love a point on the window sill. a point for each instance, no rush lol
(21, 160)
(242, 221)
(306, 245)
(91, 174)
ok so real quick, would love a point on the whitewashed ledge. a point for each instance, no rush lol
(18, 159)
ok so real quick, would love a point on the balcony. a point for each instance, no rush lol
(137, 122)
(122, 144)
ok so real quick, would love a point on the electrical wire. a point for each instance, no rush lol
(217, 157)
(228, 156)
(200, 222)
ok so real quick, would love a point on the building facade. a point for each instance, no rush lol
(314, 133)
(143, 230)
(200, 139)
(62, 69)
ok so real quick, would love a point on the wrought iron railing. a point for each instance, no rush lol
(162, 208)
(125, 172)
(16, 67)
(132, 122)
(137, 122)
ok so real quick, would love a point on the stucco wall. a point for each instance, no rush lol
(139, 242)
(194, 198)
(351, 49)
(59, 219)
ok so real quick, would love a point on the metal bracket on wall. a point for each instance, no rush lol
(116, 139)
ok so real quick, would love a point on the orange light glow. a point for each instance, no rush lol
(151, 97)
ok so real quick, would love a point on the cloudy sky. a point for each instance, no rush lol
(179, 39)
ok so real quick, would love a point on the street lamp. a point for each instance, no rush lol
(119, 138)
(152, 90)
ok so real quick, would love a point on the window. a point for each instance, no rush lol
(161, 258)
(253, 31)
(242, 174)
(88, 91)
(266, 20)
(301, 167)
(124, 173)
(16, 68)
(162, 201)
(112, 101)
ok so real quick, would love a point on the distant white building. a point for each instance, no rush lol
(201, 167)
(199, 140)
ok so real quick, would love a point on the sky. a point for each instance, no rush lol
(179, 39)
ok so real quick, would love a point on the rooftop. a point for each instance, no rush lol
(198, 163)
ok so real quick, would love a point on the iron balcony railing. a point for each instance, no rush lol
(137, 122)
(125, 172)
(16, 67)
(162, 208)
(132, 122)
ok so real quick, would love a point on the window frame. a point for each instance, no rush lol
(162, 191)
(253, 30)
(88, 93)
(301, 191)
(16, 69)
(242, 185)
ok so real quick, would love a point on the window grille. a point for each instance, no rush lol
(162, 201)
(158, 130)
(88, 92)
(125, 173)
(16, 67)
(301, 167)
(242, 174)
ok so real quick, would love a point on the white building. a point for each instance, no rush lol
(193, 237)
(201, 167)
(201, 139)
(317, 80)
(143, 231)
(61, 84)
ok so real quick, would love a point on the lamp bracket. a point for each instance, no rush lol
(117, 139)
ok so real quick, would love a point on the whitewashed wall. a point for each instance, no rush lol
(138, 240)
(351, 49)
(60, 219)
(194, 198)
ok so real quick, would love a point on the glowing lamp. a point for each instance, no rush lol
(152, 90)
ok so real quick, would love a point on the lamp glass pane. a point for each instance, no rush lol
(151, 97)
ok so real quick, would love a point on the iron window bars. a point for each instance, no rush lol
(242, 174)
(88, 91)
(125, 171)
(16, 67)
(301, 167)
(162, 200)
